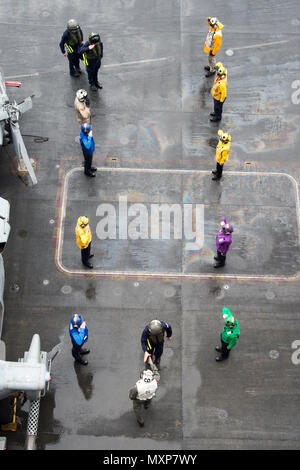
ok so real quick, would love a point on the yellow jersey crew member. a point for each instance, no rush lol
(222, 152)
(212, 43)
(84, 240)
(219, 92)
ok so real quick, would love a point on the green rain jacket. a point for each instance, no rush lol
(230, 335)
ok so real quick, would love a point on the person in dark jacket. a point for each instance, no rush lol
(79, 335)
(88, 147)
(92, 52)
(69, 45)
(152, 340)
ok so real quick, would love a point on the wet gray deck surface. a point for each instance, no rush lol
(153, 113)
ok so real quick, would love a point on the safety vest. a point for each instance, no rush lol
(213, 39)
(75, 39)
(155, 339)
(146, 390)
(91, 54)
(219, 89)
(83, 236)
(222, 152)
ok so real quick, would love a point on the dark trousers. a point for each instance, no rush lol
(225, 352)
(87, 163)
(221, 259)
(73, 62)
(92, 71)
(85, 254)
(218, 109)
(156, 351)
(76, 352)
(219, 170)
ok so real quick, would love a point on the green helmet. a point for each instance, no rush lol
(94, 38)
(155, 327)
(72, 24)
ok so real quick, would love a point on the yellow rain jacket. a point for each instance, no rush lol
(213, 39)
(222, 152)
(219, 89)
(83, 236)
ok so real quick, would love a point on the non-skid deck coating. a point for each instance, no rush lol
(263, 208)
(153, 114)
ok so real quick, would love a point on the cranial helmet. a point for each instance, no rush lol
(155, 327)
(72, 24)
(83, 221)
(147, 375)
(224, 136)
(229, 229)
(86, 128)
(213, 22)
(228, 317)
(81, 95)
(94, 38)
(221, 71)
(76, 320)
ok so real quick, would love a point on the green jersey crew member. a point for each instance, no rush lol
(229, 335)
(69, 45)
(92, 52)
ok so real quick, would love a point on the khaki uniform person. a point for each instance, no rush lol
(212, 43)
(84, 240)
(82, 110)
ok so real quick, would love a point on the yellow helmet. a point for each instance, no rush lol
(83, 221)
(224, 136)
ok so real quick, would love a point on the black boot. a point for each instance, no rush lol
(209, 74)
(220, 358)
(84, 351)
(215, 119)
(82, 362)
(88, 265)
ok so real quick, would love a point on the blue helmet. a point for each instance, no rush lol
(86, 128)
(76, 320)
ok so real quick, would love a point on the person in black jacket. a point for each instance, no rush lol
(69, 45)
(152, 340)
(92, 52)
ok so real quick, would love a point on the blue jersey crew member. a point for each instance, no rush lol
(88, 147)
(69, 45)
(92, 53)
(79, 335)
(152, 340)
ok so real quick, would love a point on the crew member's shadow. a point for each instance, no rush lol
(85, 379)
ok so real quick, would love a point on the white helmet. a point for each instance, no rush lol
(81, 95)
(147, 375)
